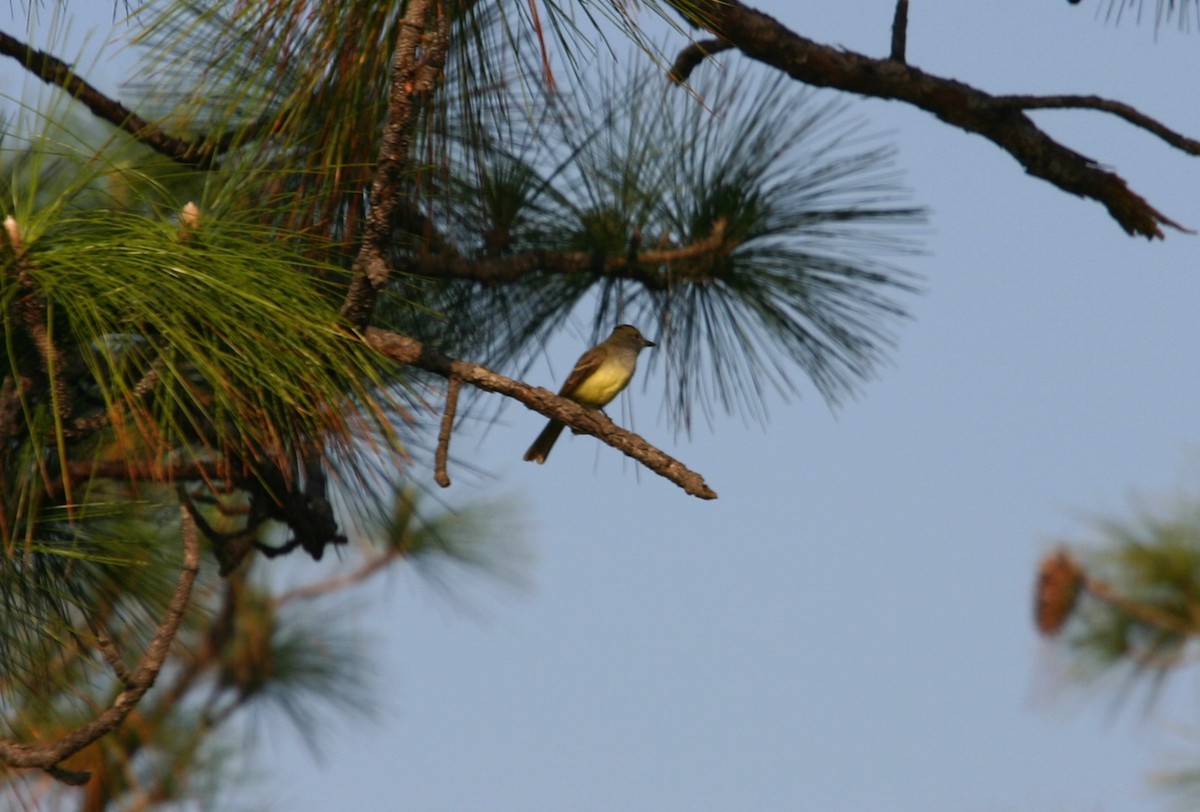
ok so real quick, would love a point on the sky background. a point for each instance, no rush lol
(848, 626)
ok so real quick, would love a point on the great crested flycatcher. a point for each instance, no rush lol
(598, 377)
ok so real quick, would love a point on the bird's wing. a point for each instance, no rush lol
(584, 367)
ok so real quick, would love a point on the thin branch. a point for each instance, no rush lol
(411, 77)
(54, 71)
(647, 267)
(339, 582)
(1131, 114)
(763, 38)
(405, 350)
(691, 57)
(48, 756)
(443, 446)
(900, 31)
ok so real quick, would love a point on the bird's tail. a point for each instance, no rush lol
(544, 442)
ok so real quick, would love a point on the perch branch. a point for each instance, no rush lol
(405, 350)
(1131, 114)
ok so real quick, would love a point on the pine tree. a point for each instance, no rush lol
(314, 222)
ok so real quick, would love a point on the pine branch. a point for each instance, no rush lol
(1131, 114)
(996, 118)
(412, 76)
(199, 153)
(48, 756)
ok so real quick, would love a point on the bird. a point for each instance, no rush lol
(599, 376)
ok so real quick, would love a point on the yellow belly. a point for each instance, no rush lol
(602, 385)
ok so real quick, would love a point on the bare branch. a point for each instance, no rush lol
(405, 350)
(765, 39)
(443, 446)
(356, 576)
(47, 757)
(1131, 114)
(900, 31)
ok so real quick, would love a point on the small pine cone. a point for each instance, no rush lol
(1058, 583)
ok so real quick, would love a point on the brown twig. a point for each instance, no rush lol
(763, 38)
(405, 350)
(443, 447)
(691, 57)
(48, 756)
(338, 582)
(900, 31)
(371, 268)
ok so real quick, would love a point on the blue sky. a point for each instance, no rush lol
(848, 626)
